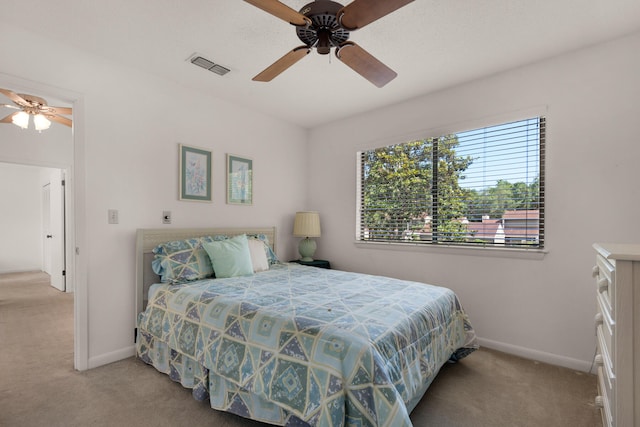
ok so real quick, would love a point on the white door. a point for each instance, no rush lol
(53, 220)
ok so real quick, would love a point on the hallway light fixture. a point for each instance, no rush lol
(40, 122)
(31, 105)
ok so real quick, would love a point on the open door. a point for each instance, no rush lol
(53, 229)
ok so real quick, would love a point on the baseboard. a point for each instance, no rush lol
(541, 356)
(23, 270)
(527, 353)
(114, 356)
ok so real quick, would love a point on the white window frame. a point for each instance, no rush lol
(525, 252)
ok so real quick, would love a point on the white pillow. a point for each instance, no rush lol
(258, 255)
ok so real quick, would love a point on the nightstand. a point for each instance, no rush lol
(320, 263)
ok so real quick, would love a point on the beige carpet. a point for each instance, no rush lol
(39, 387)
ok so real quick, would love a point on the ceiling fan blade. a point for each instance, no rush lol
(14, 97)
(59, 119)
(359, 13)
(363, 63)
(282, 11)
(9, 118)
(58, 110)
(282, 64)
(9, 106)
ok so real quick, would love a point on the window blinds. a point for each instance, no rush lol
(483, 187)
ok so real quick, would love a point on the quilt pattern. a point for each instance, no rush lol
(296, 343)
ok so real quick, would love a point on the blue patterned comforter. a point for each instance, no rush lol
(297, 343)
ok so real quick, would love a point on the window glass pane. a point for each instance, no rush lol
(480, 187)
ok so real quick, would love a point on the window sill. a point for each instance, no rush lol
(533, 254)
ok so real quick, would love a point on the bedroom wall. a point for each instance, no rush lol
(132, 123)
(20, 218)
(543, 308)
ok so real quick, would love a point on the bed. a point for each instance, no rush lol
(288, 344)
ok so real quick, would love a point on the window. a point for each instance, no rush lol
(483, 187)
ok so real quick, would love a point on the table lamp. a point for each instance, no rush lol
(307, 224)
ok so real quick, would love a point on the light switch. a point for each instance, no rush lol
(113, 216)
(166, 217)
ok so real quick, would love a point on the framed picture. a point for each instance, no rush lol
(239, 180)
(195, 174)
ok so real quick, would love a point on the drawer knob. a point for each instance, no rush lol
(599, 360)
(598, 319)
(603, 285)
(599, 402)
(594, 271)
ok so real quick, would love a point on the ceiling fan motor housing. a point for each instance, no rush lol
(35, 103)
(324, 31)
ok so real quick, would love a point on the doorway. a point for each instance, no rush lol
(62, 148)
(32, 220)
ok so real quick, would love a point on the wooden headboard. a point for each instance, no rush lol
(147, 239)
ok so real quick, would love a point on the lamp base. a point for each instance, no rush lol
(307, 247)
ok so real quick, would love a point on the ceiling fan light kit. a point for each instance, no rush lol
(40, 122)
(31, 105)
(323, 25)
(20, 119)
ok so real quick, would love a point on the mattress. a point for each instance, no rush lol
(299, 345)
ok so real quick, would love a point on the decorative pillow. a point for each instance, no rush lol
(271, 256)
(230, 257)
(258, 251)
(182, 260)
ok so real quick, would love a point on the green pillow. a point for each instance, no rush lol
(230, 257)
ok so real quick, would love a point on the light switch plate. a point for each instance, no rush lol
(113, 216)
(166, 217)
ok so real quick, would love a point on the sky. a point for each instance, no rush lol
(509, 152)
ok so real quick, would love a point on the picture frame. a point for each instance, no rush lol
(239, 180)
(195, 174)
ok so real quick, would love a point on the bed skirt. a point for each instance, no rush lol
(222, 394)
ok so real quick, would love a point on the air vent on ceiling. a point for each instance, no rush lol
(209, 65)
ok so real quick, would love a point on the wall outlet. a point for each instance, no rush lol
(166, 217)
(113, 216)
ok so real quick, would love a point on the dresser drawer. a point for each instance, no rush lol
(603, 359)
(605, 329)
(605, 275)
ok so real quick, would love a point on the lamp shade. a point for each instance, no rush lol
(41, 122)
(307, 224)
(21, 119)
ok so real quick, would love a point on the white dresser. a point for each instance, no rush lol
(617, 274)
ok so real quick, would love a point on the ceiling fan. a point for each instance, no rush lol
(31, 105)
(325, 24)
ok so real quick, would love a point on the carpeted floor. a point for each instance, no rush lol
(39, 387)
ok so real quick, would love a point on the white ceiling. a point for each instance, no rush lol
(431, 44)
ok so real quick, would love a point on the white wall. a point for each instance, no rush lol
(128, 154)
(20, 218)
(540, 308)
